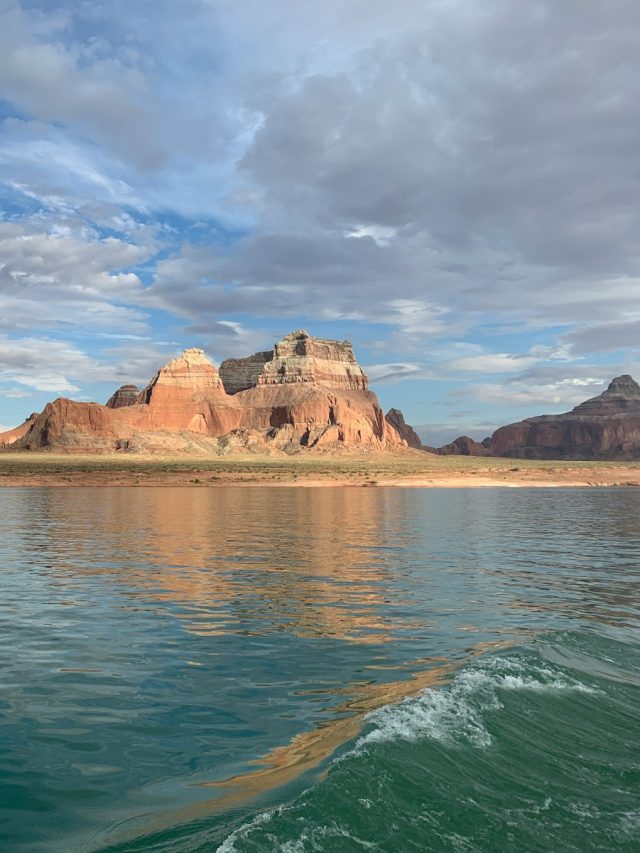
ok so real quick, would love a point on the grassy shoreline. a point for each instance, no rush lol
(412, 468)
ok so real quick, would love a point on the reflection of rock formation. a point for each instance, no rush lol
(222, 560)
(309, 393)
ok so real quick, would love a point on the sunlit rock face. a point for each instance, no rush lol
(396, 419)
(297, 358)
(126, 395)
(11, 436)
(308, 393)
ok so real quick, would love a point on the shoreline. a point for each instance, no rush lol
(413, 469)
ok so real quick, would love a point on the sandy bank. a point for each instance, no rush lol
(412, 469)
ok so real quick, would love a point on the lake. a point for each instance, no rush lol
(319, 669)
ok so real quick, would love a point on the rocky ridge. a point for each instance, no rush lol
(309, 393)
(604, 427)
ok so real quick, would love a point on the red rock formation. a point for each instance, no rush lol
(397, 421)
(604, 427)
(126, 395)
(239, 374)
(297, 358)
(464, 446)
(301, 399)
(10, 436)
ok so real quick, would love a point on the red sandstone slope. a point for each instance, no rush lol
(10, 436)
(309, 393)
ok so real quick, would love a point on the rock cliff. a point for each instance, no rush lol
(126, 395)
(297, 358)
(239, 374)
(397, 421)
(604, 427)
(309, 393)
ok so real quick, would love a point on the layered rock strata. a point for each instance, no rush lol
(604, 427)
(239, 374)
(302, 397)
(297, 358)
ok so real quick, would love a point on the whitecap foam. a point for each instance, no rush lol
(455, 713)
(229, 844)
(311, 836)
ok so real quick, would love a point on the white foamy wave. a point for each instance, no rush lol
(455, 713)
(309, 839)
(229, 844)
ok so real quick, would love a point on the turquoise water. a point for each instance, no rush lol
(255, 669)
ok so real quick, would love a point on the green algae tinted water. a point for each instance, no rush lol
(340, 669)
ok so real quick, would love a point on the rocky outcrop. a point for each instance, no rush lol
(464, 446)
(297, 358)
(126, 395)
(396, 419)
(12, 435)
(239, 374)
(604, 427)
(311, 393)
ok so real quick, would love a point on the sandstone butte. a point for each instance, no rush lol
(305, 393)
(604, 427)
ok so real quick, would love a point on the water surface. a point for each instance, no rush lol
(251, 669)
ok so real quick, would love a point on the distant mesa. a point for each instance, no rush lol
(465, 446)
(604, 427)
(305, 393)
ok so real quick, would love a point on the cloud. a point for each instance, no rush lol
(567, 393)
(604, 337)
(60, 274)
(61, 367)
(435, 174)
(395, 372)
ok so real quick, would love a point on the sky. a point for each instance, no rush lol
(452, 185)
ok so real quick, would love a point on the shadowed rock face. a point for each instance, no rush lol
(297, 358)
(604, 427)
(397, 421)
(294, 403)
(126, 395)
(239, 374)
(464, 446)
